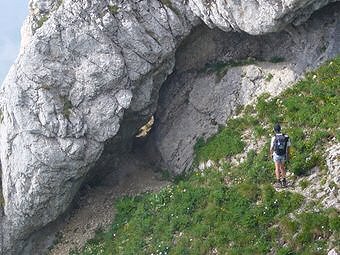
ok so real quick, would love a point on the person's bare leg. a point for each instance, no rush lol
(277, 170)
(283, 170)
(283, 174)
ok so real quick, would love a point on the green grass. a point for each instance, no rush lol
(42, 20)
(269, 77)
(235, 210)
(221, 68)
(67, 106)
(226, 143)
(113, 9)
(304, 184)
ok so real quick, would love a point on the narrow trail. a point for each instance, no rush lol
(96, 205)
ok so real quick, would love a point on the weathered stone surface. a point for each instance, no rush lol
(333, 178)
(333, 252)
(197, 99)
(253, 16)
(82, 65)
(88, 68)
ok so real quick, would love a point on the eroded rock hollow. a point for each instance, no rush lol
(89, 75)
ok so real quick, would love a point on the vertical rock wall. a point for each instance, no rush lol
(84, 64)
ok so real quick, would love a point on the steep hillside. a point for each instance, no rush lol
(227, 204)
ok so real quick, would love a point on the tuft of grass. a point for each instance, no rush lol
(113, 9)
(269, 77)
(304, 184)
(166, 3)
(67, 106)
(42, 20)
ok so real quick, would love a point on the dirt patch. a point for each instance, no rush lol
(96, 205)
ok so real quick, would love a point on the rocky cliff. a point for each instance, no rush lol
(90, 73)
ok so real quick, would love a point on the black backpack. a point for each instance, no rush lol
(280, 144)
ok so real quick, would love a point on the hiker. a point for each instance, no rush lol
(280, 149)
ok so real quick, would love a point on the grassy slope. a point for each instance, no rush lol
(200, 214)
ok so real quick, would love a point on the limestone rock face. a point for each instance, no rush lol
(204, 91)
(84, 66)
(333, 181)
(254, 16)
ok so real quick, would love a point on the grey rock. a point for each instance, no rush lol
(77, 74)
(333, 252)
(252, 16)
(89, 74)
(196, 99)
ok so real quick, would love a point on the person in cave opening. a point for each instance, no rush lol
(280, 151)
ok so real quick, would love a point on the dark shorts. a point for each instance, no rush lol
(279, 159)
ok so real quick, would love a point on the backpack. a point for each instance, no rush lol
(280, 144)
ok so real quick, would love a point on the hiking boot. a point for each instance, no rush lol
(277, 185)
(284, 183)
